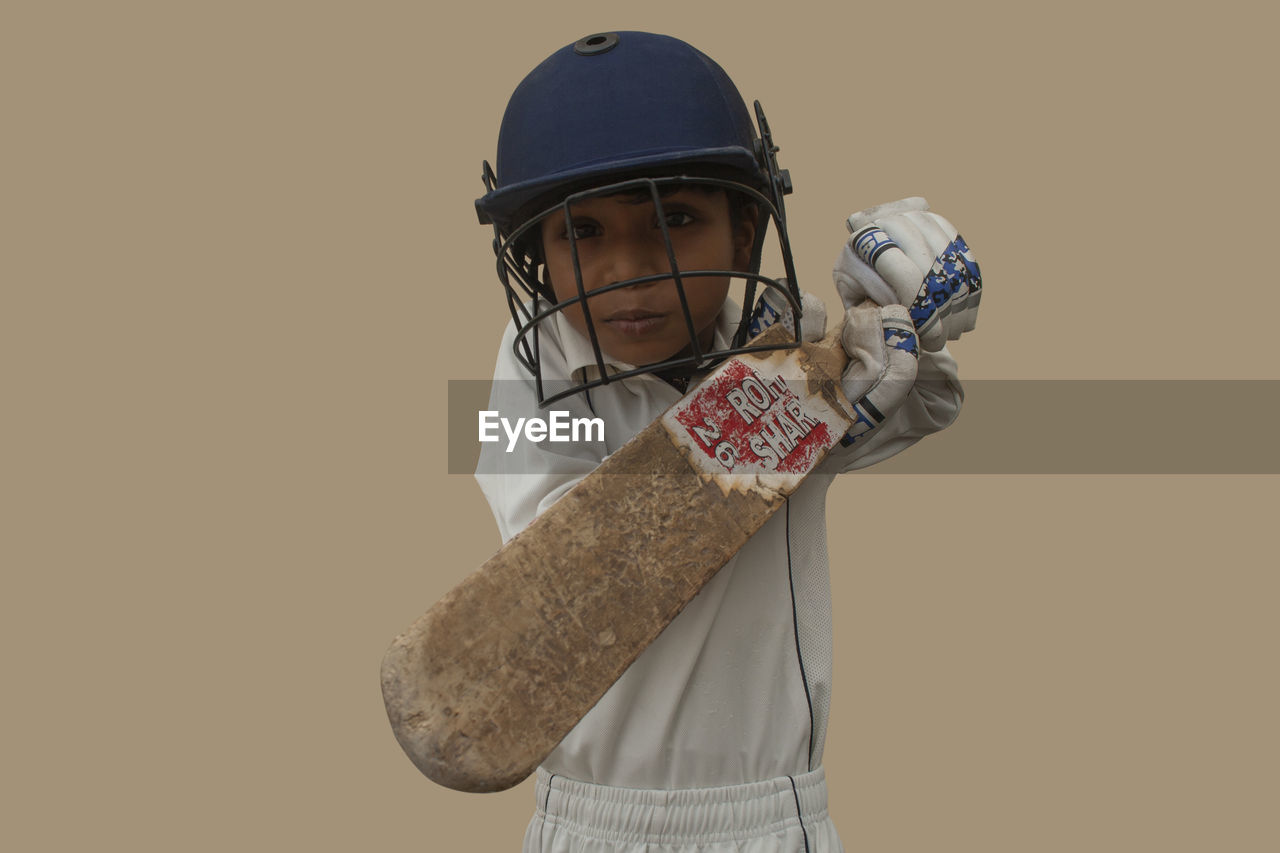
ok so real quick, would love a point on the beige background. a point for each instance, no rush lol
(240, 263)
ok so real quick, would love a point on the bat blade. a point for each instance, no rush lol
(482, 687)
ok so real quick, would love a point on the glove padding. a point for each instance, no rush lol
(883, 358)
(902, 253)
(882, 348)
(773, 307)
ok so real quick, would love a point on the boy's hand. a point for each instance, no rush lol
(883, 359)
(882, 348)
(902, 254)
(772, 308)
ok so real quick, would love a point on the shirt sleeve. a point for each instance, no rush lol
(932, 405)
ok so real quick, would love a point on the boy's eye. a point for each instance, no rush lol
(678, 218)
(584, 230)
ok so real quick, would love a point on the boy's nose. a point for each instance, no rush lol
(636, 259)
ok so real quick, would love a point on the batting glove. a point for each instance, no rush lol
(883, 360)
(772, 307)
(901, 253)
(880, 343)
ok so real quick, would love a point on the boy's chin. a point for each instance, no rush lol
(641, 356)
(650, 355)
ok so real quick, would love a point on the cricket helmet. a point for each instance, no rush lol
(627, 112)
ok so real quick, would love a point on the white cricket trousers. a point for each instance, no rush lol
(784, 815)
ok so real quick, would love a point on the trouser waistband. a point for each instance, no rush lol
(689, 815)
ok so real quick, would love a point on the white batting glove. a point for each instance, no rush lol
(773, 307)
(883, 360)
(901, 253)
(882, 349)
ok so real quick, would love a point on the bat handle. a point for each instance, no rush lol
(828, 356)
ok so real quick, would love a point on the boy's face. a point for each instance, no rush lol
(618, 237)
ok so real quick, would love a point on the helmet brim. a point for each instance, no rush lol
(510, 205)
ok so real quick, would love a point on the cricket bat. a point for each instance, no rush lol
(483, 686)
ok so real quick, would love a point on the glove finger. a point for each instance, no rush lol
(940, 235)
(878, 250)
(937, 231)
(973, 308)
(871, 214)
(813, 317)
(930, 329)
(961, 322)
(771, 307)
(856, 281)
(882, 399)
(967, 319)
(954, 286)
(902, 360)
(912, 242)
(863, 340)
(972, 272)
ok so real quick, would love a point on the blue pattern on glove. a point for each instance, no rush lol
(866, 418)
(903, 340)
(765, 316)
(762, 318)
(954, 272)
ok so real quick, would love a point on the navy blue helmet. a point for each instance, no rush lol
(626, 112)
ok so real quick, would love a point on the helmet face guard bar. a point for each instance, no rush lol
(532, 300)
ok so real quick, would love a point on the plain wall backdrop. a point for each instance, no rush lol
(240, 264)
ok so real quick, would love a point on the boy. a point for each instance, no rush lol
(632, 195)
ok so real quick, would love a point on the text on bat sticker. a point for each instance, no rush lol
(744, 420)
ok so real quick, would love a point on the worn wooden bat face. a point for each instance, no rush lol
(482, 687)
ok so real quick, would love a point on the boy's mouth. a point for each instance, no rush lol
(634, 322)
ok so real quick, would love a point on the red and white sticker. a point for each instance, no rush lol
(747, 418)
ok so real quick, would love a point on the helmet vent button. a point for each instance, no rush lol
(596, 44)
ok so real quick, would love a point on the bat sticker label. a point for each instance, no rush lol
(747, 418)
